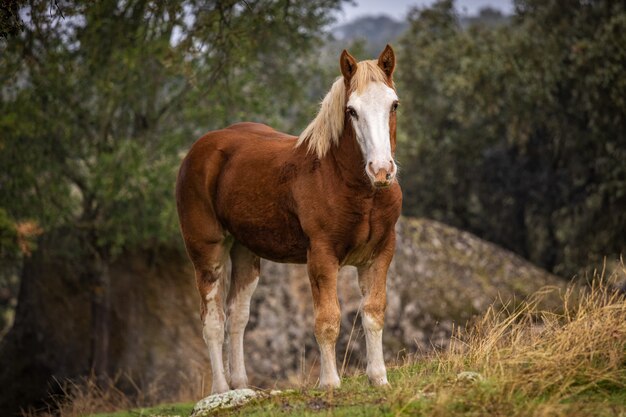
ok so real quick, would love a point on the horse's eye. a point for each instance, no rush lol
(394, 106)
(352, 112)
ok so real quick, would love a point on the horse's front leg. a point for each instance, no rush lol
(323, 267)
(373, 282)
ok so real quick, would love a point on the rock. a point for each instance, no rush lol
(223, 401)
(468, 376)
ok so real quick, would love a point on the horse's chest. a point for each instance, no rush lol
(362, 232)
(363, 240)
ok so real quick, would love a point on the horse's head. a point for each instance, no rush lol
(371, 105)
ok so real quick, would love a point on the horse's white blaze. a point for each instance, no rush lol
(213, 333)
(238, 315)
(374, 342)
(371, 126)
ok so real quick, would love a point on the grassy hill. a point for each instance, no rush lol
(514, 361)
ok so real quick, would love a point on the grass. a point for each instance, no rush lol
(525, 361)
(182, 409)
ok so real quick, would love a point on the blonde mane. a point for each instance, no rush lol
(327, 127)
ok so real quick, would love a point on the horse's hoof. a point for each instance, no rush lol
(380, 382)
(331, 383)
(239, 383)
(219, 388)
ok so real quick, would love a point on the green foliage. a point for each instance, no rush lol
(518, 132)
(100, 99)
(10, 22)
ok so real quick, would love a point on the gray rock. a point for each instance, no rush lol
(223, 401)
(468, 376)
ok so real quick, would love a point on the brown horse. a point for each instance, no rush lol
(327, 198)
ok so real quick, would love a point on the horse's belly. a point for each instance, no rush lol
(277, 236)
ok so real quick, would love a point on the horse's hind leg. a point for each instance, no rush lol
(245, 276)
(209, 261)
(208, 250)
(208, 246)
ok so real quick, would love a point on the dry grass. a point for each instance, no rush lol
(83, 397)
(89, 396)
(527, 359)
(541, 362)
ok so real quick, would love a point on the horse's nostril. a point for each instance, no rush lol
(388, 176)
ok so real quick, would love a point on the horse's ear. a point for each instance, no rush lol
(347, 64)
(387, 61)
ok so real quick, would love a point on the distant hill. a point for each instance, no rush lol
(485, 17)
(374, 32)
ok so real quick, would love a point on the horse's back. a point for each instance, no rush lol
(238, 135)
(209, 156)
(259, 129)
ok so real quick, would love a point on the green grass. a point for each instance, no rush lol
(182, 409)
(416, 390)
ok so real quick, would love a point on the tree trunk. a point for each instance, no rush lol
(100, 312)
(140, 321)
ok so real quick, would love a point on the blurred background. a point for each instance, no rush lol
(512, 150)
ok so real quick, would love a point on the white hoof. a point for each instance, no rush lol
(379, 382)
(331, 382)
(219, 387)
(239, 383)
(378, 378)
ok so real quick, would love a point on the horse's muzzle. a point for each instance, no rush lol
(383, 177)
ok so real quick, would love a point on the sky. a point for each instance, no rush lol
(398, 8)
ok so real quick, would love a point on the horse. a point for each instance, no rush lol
(327, 198)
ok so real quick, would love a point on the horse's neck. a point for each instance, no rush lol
(349, 160)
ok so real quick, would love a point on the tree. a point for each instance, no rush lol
(517, 132)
